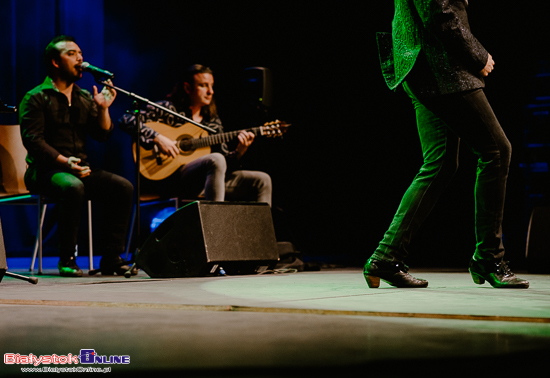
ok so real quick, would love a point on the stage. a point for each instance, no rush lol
(292, 324)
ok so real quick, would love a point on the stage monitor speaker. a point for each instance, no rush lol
(203, 236)
(3, 263)
(538, 248)
(257, 83)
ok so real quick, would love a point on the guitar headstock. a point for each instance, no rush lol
(274, 128)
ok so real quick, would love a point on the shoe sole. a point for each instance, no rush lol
(481, 280)
(374, 282)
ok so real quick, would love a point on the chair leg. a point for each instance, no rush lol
(90, 238)
(35, 250)
(38, 242)
(130, 233)
(176, 202)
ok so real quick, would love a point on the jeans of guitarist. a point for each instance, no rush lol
(443, 122)
(207, 176)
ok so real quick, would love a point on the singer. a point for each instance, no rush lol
(55, 119)
(441, 66)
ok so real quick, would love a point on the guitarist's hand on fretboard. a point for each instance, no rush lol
(245, 140)
(166, 145)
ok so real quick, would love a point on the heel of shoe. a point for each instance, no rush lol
(113, 265)
(477, 279)
(372, 281)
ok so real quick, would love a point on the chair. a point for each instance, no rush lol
(14, 192)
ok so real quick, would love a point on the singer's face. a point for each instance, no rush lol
(69, 61)
(202, 89)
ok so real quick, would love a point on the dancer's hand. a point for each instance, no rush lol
(489, 66)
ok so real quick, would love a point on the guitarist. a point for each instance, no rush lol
(217, 175)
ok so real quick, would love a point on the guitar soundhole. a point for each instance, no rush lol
(185, 144)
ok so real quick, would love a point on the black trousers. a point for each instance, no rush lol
(443, 123)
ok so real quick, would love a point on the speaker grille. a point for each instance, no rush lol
(239, 236)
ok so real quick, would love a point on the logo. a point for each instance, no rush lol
(31, 359)
(86, 356)
(89, 356)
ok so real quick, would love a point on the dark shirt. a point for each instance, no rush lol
(51, 127)
(152, 114)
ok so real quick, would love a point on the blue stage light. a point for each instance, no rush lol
(161, 217)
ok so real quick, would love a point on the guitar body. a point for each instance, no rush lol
(193, 143)
(150, 167)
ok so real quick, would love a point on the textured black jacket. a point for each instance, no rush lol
(431, 46)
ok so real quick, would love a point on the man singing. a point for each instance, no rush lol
(55, 119)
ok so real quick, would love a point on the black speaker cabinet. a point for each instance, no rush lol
(538, 248)
(258, 86)
(203, 236)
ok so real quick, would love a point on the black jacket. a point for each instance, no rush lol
(431, 46)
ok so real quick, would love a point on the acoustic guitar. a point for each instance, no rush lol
(193, 142)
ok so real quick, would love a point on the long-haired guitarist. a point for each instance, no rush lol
(217, 173)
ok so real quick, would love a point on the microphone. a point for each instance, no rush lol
(96, 71)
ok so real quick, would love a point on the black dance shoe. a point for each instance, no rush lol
(392, 272)
(496, 273)
(113, 264)
(68, 268)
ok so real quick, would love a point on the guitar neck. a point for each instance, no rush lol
(221, 138)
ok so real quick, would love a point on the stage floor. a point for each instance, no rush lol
(300, 324)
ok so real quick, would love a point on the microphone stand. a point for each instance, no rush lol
(138, 101)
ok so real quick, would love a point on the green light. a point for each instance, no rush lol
(15, 198)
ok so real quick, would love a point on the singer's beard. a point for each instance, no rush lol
(71, 76)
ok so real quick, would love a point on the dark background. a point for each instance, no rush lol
(352, 149)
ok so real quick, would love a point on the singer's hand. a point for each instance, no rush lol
(77, 170)
(106, 97)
